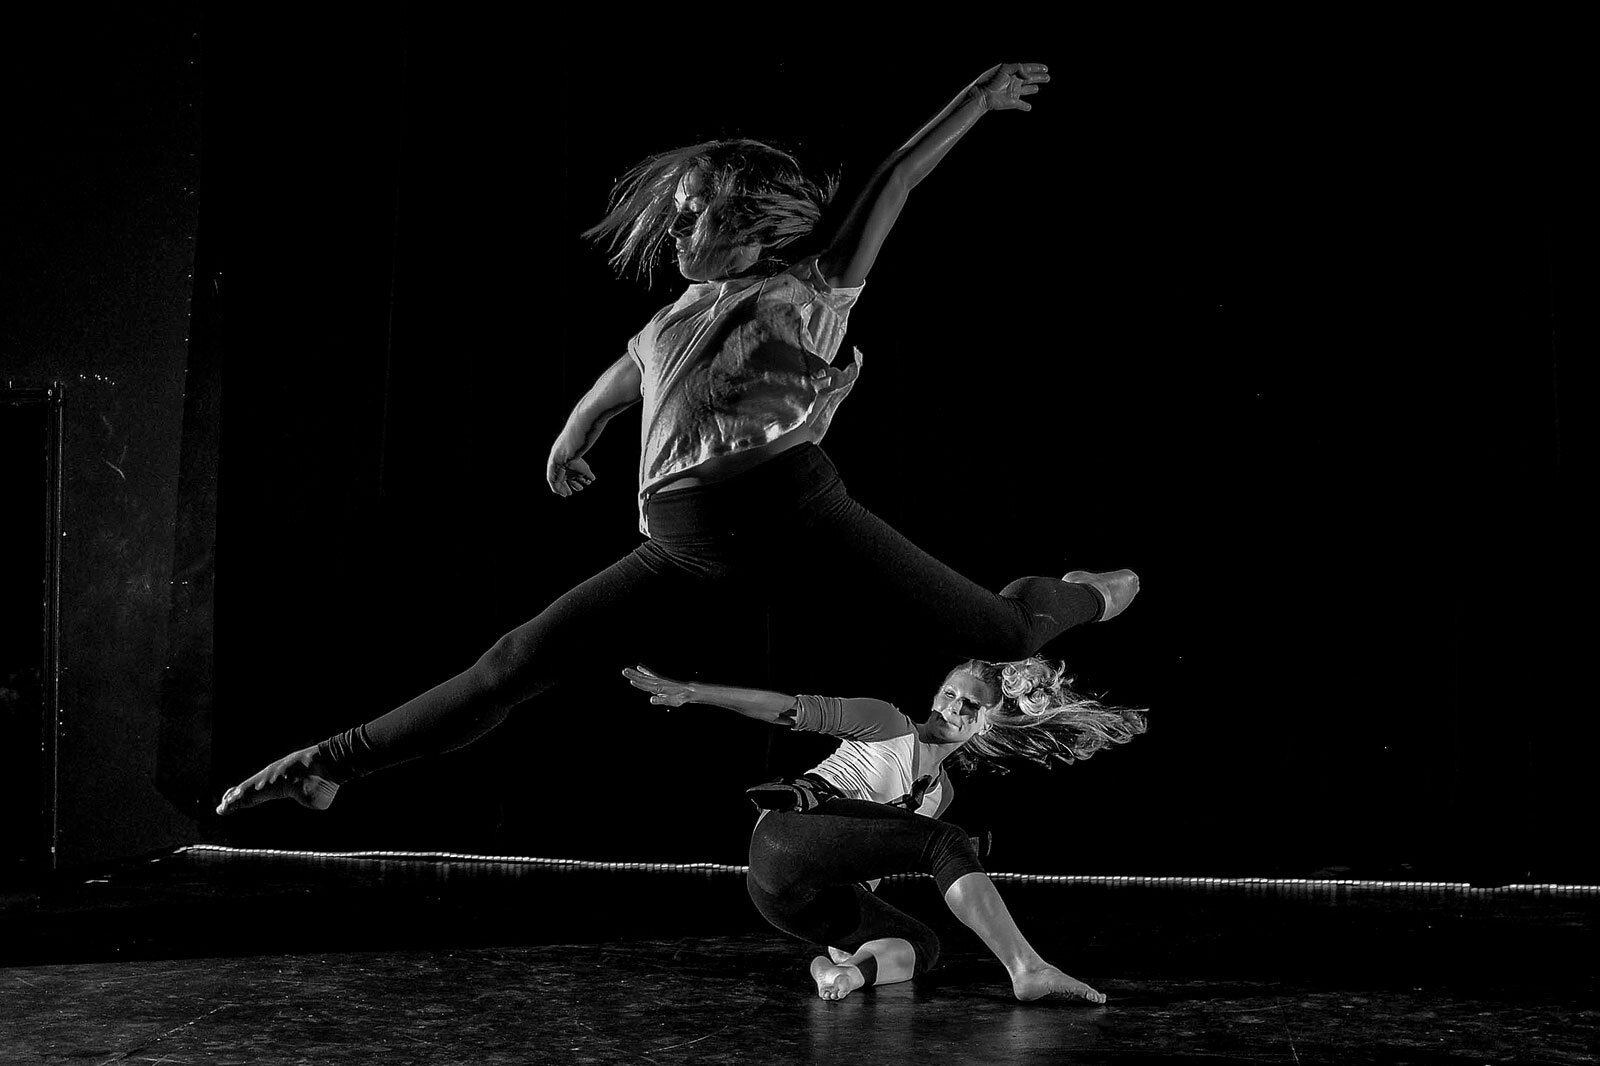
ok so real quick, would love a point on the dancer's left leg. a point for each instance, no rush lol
(581, 627)
(805, 874)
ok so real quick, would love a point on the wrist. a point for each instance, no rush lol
(568, 444)
(977, 95)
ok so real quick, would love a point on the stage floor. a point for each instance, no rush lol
(211, 959)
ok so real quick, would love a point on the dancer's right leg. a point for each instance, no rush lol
(862, 552)
(974, 899)
(579, 628)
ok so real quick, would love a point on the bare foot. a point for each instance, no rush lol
(835, 981)
(1118, 587)
(300, 777)
(1049, 981)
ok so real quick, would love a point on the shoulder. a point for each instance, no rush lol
(805, 283)
(811, 274)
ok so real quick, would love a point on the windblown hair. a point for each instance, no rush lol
(754, 193)
(1040, 718)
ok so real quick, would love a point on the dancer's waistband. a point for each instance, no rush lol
(803, 793)
(775, 489)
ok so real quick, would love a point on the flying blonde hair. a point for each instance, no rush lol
(754, 192)
(1040, 719)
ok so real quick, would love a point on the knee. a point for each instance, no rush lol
(758, 894)
(1010, 633)
(764, 879)
(779, 910)
(951, 856)
(503, 667)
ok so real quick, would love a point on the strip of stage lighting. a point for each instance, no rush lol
(1306, 886)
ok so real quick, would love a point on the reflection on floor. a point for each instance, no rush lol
(212, 959)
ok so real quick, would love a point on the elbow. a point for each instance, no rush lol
(900, 180)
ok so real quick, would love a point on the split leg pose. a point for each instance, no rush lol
(738, 388)
(871, 810)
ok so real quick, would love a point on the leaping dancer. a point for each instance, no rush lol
(738, 389)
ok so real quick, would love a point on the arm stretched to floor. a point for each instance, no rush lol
(853, 247)
(615, 391)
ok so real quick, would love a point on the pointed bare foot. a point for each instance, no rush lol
(299, 776)
(835, 981)
(1117, 587)
(1049, 981)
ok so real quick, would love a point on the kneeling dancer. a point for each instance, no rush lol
(871, 810)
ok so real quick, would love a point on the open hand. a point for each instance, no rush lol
(1002, 87)
(664, 692)
(567, 476)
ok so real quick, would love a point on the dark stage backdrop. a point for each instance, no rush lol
(1278, 335)
(98, 215)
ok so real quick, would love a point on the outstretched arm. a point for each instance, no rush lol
(615, 391)
(854, 246)
(763, 706)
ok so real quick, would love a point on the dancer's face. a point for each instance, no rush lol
(960, 709)
(704, 253)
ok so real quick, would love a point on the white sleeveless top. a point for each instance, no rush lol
(730, 366)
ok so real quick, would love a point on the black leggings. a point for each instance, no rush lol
(787, 529)
(804, 870)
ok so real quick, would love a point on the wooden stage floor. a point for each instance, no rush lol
(213, 959)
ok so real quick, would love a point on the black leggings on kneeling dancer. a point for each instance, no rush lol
(805, 869)
(786, 531)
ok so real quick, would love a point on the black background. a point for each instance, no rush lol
(1276, 320)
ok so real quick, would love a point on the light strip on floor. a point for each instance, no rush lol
(1309, 886)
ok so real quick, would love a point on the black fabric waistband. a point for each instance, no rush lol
(772, 491)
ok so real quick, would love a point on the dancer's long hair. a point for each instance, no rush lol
(1041, 719)
(754, 193)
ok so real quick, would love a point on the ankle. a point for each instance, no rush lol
(332, 760)
(1026, 963)
(1114, 588)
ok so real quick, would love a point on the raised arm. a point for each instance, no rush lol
(853, 247)
(615, 391)
(760, 704)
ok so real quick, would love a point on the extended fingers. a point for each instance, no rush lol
(643, 678)
(1017, 80)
